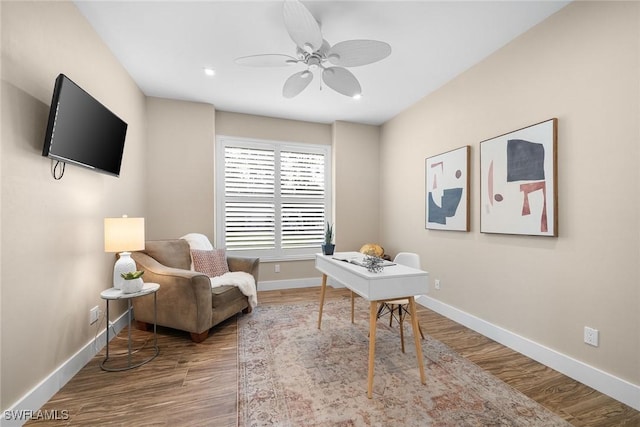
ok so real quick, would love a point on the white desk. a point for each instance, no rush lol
(394, 282)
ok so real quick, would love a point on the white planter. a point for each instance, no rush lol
(132, 286)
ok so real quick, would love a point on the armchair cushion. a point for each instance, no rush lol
(212, 263)
(243, 280)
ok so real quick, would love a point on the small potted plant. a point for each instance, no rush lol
(132, 282)
(328, 246)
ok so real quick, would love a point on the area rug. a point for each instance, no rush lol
(292, 374)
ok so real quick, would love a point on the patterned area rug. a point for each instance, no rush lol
(292, 374)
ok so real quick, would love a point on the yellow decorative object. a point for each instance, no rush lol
(372, 249)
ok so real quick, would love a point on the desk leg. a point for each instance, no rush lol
(323, 289)
(373, 317)
(415, 327)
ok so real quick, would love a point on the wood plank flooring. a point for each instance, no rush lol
(196, 384)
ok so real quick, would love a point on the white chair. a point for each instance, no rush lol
(400, 305)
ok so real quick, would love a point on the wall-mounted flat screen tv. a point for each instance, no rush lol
(83, 132)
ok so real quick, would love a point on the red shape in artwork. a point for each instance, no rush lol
(490, 183)
(435, 181)
(526, 209)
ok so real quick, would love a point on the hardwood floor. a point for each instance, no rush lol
(196, 384)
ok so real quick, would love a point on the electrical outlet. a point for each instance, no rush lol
(276, 268)
(93, 315)
(591, 336)
(436, 283)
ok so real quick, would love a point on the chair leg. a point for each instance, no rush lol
(406, 311)
(401, 328)
(143, 326)
(380, 308)
(352, 306)
(199, 337)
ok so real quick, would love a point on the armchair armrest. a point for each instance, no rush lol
(246, 264)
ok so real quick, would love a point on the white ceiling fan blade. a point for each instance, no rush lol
(302, 26)
(353, 53)
(342, 81)
(296, 83)
(266, 60)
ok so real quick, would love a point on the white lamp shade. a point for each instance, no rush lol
(123, 234)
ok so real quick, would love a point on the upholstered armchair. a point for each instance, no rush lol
(186, 299)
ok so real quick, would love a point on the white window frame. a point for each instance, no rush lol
(277, 254)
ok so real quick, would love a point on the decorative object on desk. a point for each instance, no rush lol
(518, 185)
(319, 378)
(372, 249)
(123, 235)
(373, 263)
(132, 282)
(447, 186)
(328, 246)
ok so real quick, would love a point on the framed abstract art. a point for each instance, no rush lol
(518, 181)
(447, 190)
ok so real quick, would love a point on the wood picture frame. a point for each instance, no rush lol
(518, 181)
(447, 183)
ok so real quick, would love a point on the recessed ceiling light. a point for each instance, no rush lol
(209, 71)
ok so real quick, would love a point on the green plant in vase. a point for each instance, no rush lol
(132, 282)
(328, 246)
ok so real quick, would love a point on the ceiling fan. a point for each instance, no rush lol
(315, 52)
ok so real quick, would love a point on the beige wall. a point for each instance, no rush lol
(53, 264)
(356, 154)
(581, 66)
(180, 183)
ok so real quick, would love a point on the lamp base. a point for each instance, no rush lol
(124, 264)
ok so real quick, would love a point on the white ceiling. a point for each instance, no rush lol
(164, 45)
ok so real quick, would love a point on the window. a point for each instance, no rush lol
(273, 198)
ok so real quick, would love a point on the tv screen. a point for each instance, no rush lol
(81, 131)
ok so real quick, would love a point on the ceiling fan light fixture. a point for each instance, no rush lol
(313, 51)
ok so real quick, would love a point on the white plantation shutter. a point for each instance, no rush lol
(249, 192)
(272, 197)
(302, 190)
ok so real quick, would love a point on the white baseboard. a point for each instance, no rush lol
(29, 405)
(604, 382)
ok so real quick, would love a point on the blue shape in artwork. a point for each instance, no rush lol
(525, 161)
(450, 201)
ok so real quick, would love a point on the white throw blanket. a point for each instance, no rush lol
(244, 281)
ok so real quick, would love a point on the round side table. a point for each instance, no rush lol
(117, 294)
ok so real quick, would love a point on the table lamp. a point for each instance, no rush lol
(123, 235)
